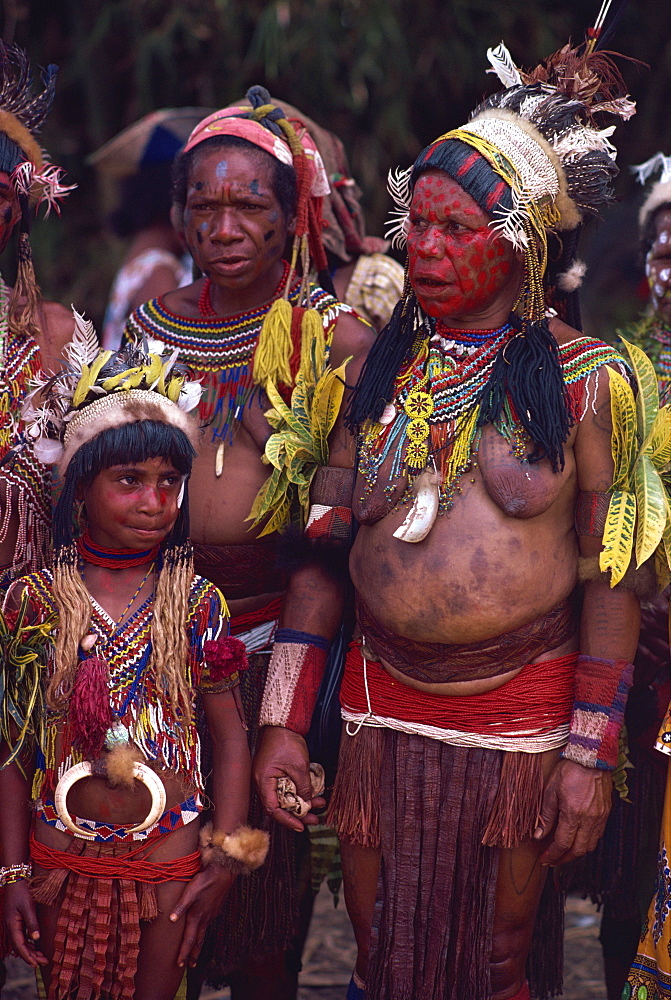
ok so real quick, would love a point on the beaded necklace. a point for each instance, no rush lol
(434, 413)
(91, 552)
(220, 350)
(31, 482)
(433, 419)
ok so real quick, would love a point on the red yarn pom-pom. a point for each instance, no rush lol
(225, 657)
(90, 715)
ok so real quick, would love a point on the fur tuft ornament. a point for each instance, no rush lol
(242, 851)
(571, 280)
(120, 765)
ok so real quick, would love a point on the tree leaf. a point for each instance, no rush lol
(618, 536)
(658, 443)
(647, 400)
(623, 438)
(326, 403)
(651, 509)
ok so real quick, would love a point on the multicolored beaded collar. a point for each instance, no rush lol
(220, 350)
(433, 419)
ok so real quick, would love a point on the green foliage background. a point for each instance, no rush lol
(387, 75)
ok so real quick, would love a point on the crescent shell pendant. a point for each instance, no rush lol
(84, 770)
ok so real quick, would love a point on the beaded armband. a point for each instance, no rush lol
(601, 693)
(294, 674)
(591, 512)
(14, 873)
(331, 511)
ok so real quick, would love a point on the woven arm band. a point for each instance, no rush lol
(591, 511)
(294, 674)
(601, 693)
(331, 511)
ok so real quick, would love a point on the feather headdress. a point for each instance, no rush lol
(97, 389)
(660, 192)
(544, 135)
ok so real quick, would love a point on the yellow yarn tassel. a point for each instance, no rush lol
(274, 349)
(313, 353)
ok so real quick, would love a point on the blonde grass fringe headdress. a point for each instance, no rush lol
(67, 417)
(35, 181)
(265, 125)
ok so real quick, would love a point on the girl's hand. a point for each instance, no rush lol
(200, 901)
(21, 921)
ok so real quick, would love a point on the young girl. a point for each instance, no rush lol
(106, 890)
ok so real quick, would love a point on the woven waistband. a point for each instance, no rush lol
(240, 570)
(529, 713)
(172, 819)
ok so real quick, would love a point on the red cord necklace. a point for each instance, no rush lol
(91, 552)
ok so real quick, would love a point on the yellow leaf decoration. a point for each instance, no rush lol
(641, 446)
(651, 509)
(647, 400)
(624, 438)
(618, 537)
(658, 442)
(297, 448)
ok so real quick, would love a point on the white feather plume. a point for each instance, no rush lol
(504, 67)
(84, 347)
(571, 279)
(47, 451)
(398, 186)
(657, 162)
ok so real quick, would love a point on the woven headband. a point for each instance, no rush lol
(228, 122)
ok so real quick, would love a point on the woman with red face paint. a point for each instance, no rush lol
(481, 701)
(32, 331)
(107, 894)
(247, 200)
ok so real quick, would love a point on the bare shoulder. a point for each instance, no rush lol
(351, 338)
(184, 301)
(562, 332)
(57, 326)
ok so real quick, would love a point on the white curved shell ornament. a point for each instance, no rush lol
(422, 515)
(84, 770)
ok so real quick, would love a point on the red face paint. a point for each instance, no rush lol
(658, 266)
(133, 506)
(460, 270)
(234, 226)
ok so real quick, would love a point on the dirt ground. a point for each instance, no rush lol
(329, 958)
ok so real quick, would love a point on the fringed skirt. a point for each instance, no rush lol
(428, 806)
(97, 939)
(260, 915)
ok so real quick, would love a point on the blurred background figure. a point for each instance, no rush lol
(138, 161)
(363, 275)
